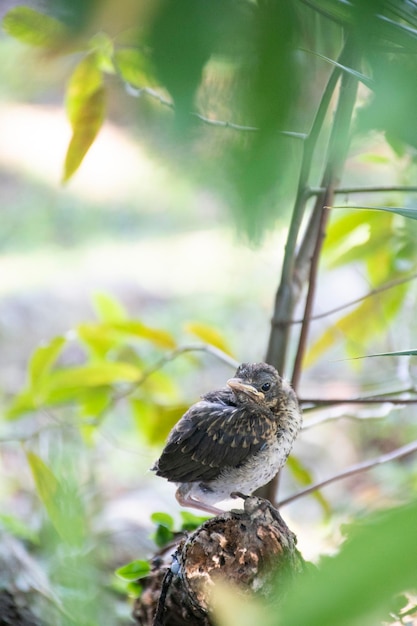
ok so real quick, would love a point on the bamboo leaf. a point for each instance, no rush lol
(209, 335)
(358, 75)
(86, 109)
(412, 352)
(34, 28)
(410, 213)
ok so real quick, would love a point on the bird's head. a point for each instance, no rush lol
(256, 382)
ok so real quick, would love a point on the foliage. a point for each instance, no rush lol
(232, 73)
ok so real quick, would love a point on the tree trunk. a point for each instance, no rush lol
(246, 548)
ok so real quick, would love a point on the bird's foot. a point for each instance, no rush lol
(238, 494)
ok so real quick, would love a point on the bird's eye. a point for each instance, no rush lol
(266, 387)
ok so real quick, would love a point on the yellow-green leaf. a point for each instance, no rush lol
(98, 338)
(108, 308)
(43, 358)
(161, 338)
(65, 515)
(156, 420)
(91, 375)
(304, 477)
(134, 570)
(86, 104)
(133, 67)
(22, 403)
(34, 28)
(209, 335)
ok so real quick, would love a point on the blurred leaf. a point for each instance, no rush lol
(135, 328)
(163, 519)
(191, 522)
(411, 213)
(43, 358)
(209, 335)
(134, 570)
(99, 338)
(63, 507)
(86, 109)
(353, 587)
(396, 353)
(22, 403)
(182, 38)
(102, 46)
(304, 478)
(134, 67)
(369, 319)
(162, 536)
(361, 77)
(232, 608)
(108, 308)
(34, 28)
(18, 528)
(155, 420)
(90, 375)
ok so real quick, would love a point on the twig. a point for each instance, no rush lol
(206, 120)
(376, 400)
(358, 468)
(373, 292)
(315, 191)
(166, 582)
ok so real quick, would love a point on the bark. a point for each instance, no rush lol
(247, 548)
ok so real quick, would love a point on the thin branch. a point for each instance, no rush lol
(152, 93)
(373, 292)
(377, 400)
(315, 191)
(358, 468)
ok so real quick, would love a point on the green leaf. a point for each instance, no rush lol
(162, 536)
(410, 213)
(135, 328)
(358, 75)
(34, 28)
(134, 570)
(353, 587)
(43, 358)
(108, 308)
(102, 45)
(163, 519)
(156, 420)
(304, 477)
(191, 522)
(98, 338)
(209, 335)
(396, 353)
(18, 528)
(23, 402)
(134, 67)
(91, 375)
(86, 110)
(369, 319)
(62, 507)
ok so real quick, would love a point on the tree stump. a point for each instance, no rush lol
(246, 548)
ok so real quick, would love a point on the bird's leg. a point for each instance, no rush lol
(187, 500)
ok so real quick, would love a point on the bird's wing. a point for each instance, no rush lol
(210, 437)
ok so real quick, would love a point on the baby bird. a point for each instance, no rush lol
(234, 439)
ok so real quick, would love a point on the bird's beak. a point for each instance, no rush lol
(237, 385)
